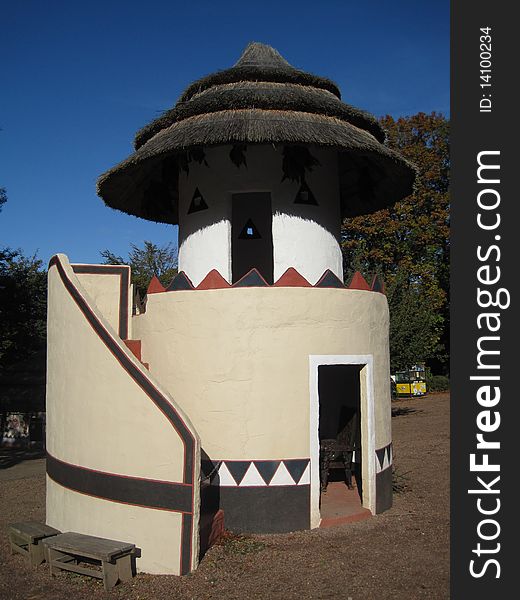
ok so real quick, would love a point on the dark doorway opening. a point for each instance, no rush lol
(339, 389)
(252, 235)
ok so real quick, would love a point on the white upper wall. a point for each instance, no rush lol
(304, 237)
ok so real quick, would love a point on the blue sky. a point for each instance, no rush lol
(80, 78)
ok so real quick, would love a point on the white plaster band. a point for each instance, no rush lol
(303, 236)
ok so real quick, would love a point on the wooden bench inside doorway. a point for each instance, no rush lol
(113, 558)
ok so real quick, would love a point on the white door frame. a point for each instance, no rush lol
(368, 446)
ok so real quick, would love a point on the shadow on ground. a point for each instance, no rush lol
(12, 456)
(403, 411)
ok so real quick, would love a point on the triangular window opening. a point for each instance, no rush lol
(249, 232)
(305, 196)
(197, 202)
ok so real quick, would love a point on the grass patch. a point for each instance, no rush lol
(400, 481)
(234, 543)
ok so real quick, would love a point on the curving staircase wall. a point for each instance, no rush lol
(123, 458)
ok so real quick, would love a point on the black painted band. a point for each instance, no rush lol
(187, 527)
(384, 490)
(148, 493)
(276, 509)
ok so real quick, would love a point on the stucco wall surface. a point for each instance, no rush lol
(155, 532)
(104, 290)
(237, 360)
(99, 418)
(304, 236)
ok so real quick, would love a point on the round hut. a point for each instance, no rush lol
(258, 340)
(260, 126)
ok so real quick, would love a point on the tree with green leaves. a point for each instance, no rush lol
(23, 306)
(146, 262)
(415, 325)
(408, 244)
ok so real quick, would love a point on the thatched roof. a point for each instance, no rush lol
(261, 99)
(260, 62)
(263, 96)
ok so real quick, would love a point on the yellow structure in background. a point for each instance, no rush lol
(411, 382)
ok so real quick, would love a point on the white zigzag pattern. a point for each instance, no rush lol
(282, 476)
(224, 476)
(252, 477)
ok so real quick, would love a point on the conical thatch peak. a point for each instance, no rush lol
(260, 63)
(261, 55)
(262, 99)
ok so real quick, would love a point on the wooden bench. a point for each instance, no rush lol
(25, 538)
(67, 550)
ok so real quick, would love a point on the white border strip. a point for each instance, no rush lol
(367, 424)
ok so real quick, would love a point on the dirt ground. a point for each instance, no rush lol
(402, 554)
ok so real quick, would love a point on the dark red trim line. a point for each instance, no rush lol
(124, 285)
(151, 391)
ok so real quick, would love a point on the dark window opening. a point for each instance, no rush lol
(305, 196)
(197, 202)
(252, 235)
(249, 232)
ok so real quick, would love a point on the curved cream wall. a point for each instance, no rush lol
(304, 237)
(99, 418)
(237, 360)
(105, 293)
(92, 403)
(155, 532)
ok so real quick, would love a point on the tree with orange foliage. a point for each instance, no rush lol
(408, 244)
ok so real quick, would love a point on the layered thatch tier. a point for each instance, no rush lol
(263, 96)
(260, 62)
(261, 100)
